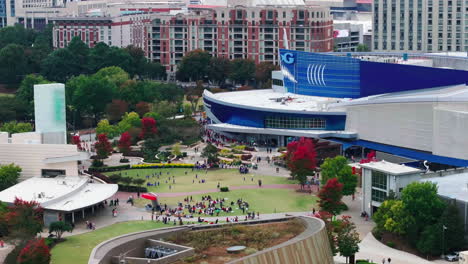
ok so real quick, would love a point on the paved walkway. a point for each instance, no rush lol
(5, 251)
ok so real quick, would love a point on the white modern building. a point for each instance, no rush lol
(63, 198)
(380, 178)
(420, 25)
(39, 159)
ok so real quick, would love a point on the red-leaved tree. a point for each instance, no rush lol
(330, 197)
(301, 159)
(148, 128)
(24, 218)
(103, 147)
(125, 142)
(142, 108)
(77, 141)
(35, 252)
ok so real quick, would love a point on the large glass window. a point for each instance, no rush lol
(294, 122)
(378, 196)
(379, 180)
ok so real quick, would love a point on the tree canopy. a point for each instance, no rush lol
(338, 168)
(9, 175)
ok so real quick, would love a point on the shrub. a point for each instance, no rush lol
(224, 189)
(391, 244)
(162, 165)
(109, 168)
(124, 160)
(184, 154)
(246, 156)
(35, 252)
(377, 233)
(97, 163)
(115, 178)
(131, 188)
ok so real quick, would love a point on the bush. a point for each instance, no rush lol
(35, 252)
(377, 233)
(115, 178)
(131, 188)
(135, 154)
(391, 244)
(109, 168)
(97, 163)
(246, 157)
(13, 255)
(224, 189)
(162, 165)
(184, 154)
(124, 160)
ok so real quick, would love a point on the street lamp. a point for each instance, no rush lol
(443, 240)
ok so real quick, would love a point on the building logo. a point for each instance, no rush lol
(315, 74)
(288, 58)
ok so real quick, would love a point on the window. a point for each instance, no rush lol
(294, 122)
(378, 196)
(277, 82)
(52, 173)
(379, 180)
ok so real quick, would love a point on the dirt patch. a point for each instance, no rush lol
(210, 245)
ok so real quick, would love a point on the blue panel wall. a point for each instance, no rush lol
(320, 75)
(379, 78)
(255, 118)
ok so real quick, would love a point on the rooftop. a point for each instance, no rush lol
(61, 193)
(453, 186)
(390, 168)
(269, 100)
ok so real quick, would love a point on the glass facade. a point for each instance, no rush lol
(378, 196)
(294, 122)
(379, 180)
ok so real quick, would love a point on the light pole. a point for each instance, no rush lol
(443, 240)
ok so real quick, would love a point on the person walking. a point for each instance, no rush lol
(383, 261)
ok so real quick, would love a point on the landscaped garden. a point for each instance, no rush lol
(76, 249)
(210, 246)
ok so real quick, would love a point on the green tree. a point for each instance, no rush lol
(242, 70)
(25, 92)
(420, 200)
(9, 175)
(128, 121)
(138, 60)
(454, 232)
(193, 95)
(347, 238)
(150, 148)
(126, 180)
(90, 94)
(362, 48)
(114, 74)
(138, 181)
(219, 69)
(210, 152)
(187, 111)
(176, 150)
(103, 127)
(15, 127)
(430, 242)
(60, 66)
(154, 71)
(80, 53)
(13, 64)
(60, 227)
(165, 109)
(338, 168)
(16, 34)
(12, 109)
(194, 66)
(393, 217)
(263, 73)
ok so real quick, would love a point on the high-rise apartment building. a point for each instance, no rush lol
(240, 32)
(420, 25)
(230, 32)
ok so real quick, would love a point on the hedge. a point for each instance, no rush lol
(110, 168)
(163, 165)
(224, 189)
(100, 176)
(132, 188)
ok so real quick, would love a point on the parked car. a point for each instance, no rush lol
(452, 256)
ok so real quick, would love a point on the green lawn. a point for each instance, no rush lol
(188, 183)
(265, 201)
(7, 95)
(76, 249)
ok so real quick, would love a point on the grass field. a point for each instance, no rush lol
(6, 95)
(189, 182)
(265, 201)
(76, 249)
